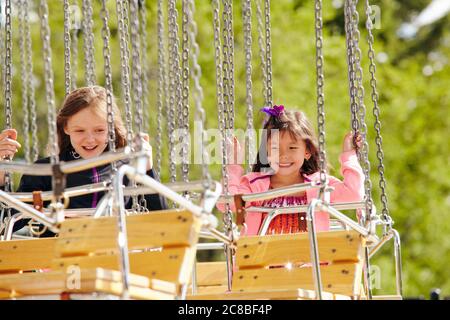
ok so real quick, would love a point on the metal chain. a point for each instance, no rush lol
(184, 114)
(269, 98)
(376, 112)
(137, 84)
(197, 92)
(361, 109)
(174, 83)
(229, 64)
(162, 85)
(247, 27)
(262, 48)
(220, 103)
(67, 44)
(351, 69)
(136, 60)
(104, 14)
(8, 90)
(144, 63)
(30, 84)
(74, 51)
(50, 92)
(320, 91)
(122, 16)
(23, 78)
(88, 43)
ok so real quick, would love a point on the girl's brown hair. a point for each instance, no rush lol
(79, 99)
(299, 127)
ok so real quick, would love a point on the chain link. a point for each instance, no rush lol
(122, 16)
(144, 63)
(361, 109)
(220, 65)
(197, 92)
(184, 114)
(23, 78)
(136, 70)
(50, 92)
(88, 44)
(74, 51)
(269, 98)
(351, 69)
(30, 84)
(262, 48)
(247, 27)
(67, 44)
(137, 84)
(376, 112)
(320, 91)
(8, 94)
(174, 84)
(108, 80)
(162, 85)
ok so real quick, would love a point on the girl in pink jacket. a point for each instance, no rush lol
(292, 157)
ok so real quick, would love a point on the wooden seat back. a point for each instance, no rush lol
(162, 245)
(280, 262)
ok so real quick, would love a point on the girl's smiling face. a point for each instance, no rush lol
(88, 132)
(286, 153)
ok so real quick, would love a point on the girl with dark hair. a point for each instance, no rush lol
(82, 132)
(289, 155)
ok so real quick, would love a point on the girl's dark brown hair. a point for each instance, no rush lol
(299, 127)
(82, 98)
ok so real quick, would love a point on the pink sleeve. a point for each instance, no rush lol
(352, 188)
(237, 183)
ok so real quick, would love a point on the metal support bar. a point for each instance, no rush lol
(314, 247)
(29, 211)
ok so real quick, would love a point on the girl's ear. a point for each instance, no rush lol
(65, 130)
(307, 154)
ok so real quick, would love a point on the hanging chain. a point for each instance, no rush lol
(137, 70)
(144, 63)
(162, 85)
(228, 61)
(137, 86)
(220, 106)
(50, 92)
(197, 92)
(361, 109)
(23, 78)
(262, 48)
(30, 85)
(376, 112)
(174, 84)
(74, 52)
(122, 16)
(88, 43)
(108, 80)
(8, 92)
(247, 26)
(228, 94)
(269, 98)
(67, 43)
(320, 91)
(351, 69)
(184, 114)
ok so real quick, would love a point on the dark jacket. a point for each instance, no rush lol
(44, 183)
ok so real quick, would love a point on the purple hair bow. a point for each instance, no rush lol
(275, 111)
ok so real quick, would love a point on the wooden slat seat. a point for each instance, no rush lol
(278, 266)
(90, 281)
(162, 248)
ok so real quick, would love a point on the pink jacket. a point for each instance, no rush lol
(351, 189)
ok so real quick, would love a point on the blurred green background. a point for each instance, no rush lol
(413, 80)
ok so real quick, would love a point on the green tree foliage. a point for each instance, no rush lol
(412, 79)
